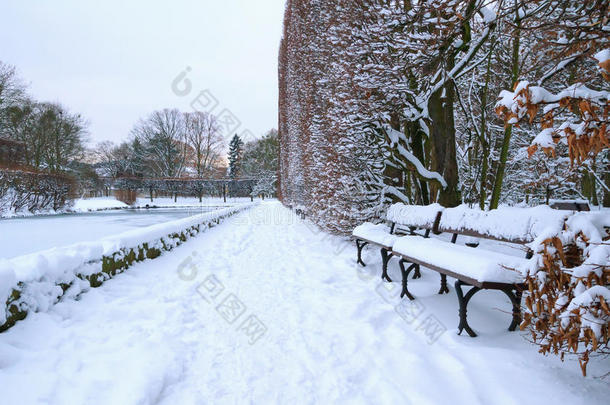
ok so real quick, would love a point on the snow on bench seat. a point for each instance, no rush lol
(376, 233)
(478, 264)
(401, 214)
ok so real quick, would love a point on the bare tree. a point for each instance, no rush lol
(204, 137)
(51, 134)
(116, 160)
(64, 133)
(162, 135)
(12, 94)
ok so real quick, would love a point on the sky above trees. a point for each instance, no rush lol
(115, 61)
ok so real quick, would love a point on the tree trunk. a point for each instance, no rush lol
(442, 137)
(606, 178)
(417, 146)
(391, 173)
(497, 189)
(483, 138)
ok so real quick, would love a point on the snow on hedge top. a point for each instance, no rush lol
(422, 216)
(508, 223)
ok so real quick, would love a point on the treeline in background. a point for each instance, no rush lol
(45, 160)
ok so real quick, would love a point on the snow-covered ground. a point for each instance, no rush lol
(19, 236)
(98, 203)
(266, 309)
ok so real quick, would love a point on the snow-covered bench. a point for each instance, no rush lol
(479, 268)
(401, 219)
(300, 210)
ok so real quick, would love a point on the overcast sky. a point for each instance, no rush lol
(114, 61)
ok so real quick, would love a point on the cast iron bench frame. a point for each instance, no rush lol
(386, 251)
(514, 291)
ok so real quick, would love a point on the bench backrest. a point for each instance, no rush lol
(572, 205)
(415, 216)
(506, 224)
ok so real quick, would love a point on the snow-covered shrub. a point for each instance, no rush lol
(565, 99)
(35, 282)
(568, 305)
(31, 191)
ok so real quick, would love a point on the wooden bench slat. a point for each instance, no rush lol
(449, 273)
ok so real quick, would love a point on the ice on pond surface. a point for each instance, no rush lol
(19, 236)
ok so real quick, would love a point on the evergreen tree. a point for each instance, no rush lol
(235, 156)
(260, 155)
(260, 162)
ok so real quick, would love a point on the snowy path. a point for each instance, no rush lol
(148, 336)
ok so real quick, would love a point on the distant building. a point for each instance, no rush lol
(12, 153)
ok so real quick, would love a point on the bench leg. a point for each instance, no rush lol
(405, 278)
(444, 288)
(515, 299)
(385, 258)
(463, 301)
(360, 244)
(417, 274)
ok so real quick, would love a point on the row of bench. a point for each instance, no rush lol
(407, 236)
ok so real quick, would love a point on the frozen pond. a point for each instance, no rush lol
(19, 236)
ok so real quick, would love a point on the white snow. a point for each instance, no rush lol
(489, 15)
(108, 203)
(479, 264)
(512, 223)
(49, 231)
(394, 136)
(415, 215)
(98, 203)
(335, 333)
(602, 55)
(544, 139)
(41, 272)
(515, 102)
(378, 233)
